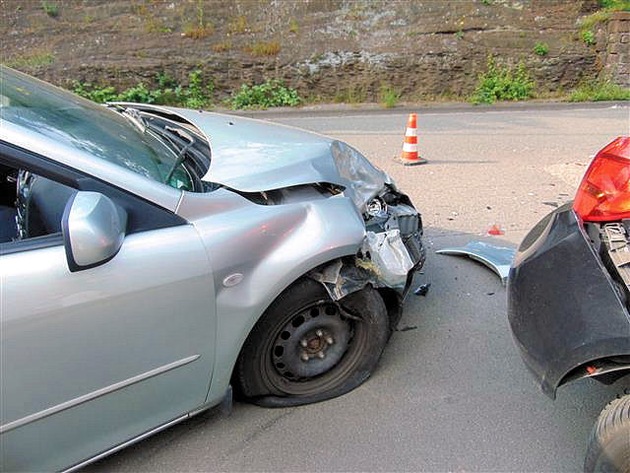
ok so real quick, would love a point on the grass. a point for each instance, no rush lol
(294, 27)
(238, 25)
(222, 46)
(599, 91)
(388, 96)
(200, 28)
(197, 31)
(351, 95)
(31, 60)
(264, 48)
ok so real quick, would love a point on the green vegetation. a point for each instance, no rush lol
(294, 27)
(272, 93)
(238, 25)
(588, 37)
(51, 9)
(503, 83)
(198, 32)
(31, 60)
(590, 22)
(388, 96)
(599, 90)
(197, 94)
(353, 94)
(222, 46)
(200, 29)
(615, 5)
(542, 49)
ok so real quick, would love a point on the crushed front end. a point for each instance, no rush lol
(391, 253)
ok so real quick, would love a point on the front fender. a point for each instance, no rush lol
(283, 243)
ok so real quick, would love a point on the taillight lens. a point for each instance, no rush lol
(604, 194)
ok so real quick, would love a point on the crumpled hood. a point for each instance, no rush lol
(252, 155)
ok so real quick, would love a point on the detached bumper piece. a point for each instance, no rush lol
(566, 302)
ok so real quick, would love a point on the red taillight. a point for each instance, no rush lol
(604, 193)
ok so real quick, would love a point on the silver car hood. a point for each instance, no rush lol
(252, 155)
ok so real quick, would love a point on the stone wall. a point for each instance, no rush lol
(614, 56)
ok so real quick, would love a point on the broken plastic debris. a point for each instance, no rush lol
(390, 256)
(422, 290)
(497, 258)
(495, 230)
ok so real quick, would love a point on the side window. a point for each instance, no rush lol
(31, 205)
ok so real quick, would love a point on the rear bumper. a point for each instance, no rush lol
(564, 307)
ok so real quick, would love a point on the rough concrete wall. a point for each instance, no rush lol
(327, 49)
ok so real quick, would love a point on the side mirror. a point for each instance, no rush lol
(93, 229)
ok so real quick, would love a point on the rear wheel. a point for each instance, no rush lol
(308, 348)
(609, 444)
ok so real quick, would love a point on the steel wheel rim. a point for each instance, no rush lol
(314, 324)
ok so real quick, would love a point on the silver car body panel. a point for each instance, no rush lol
(497, 258)
(153, 334)
(284, 242)
(145, 335)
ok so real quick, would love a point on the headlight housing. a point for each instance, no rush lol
(364, 180)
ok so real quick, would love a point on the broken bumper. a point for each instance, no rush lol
(565, 308)
(390, 254)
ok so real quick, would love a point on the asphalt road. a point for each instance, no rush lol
(451, 393)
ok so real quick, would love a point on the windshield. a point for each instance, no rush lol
(78, 123)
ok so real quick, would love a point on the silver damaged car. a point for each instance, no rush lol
(154, 260)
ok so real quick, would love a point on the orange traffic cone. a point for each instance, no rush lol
(410, 155)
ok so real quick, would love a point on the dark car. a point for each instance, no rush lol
(569, 296)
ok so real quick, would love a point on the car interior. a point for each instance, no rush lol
(30, 205)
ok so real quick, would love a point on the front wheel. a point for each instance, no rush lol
(308, 348)
(609, 445)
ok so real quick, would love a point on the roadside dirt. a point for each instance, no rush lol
(330, 50)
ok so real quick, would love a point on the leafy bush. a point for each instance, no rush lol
(272, 93)
(542, 49)
(622, 5)
(588, 37)
(196, 95)
(94, 93)
(51, 9)
(503, 83)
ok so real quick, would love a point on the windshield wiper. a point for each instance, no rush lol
(182, 152)
(136, 118)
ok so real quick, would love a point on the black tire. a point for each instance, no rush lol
(609, 444)
(307, 348)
